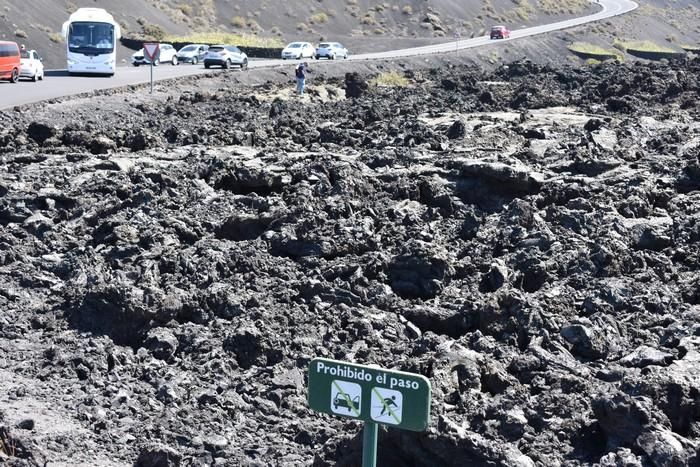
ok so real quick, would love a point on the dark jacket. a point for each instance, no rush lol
(300, 71)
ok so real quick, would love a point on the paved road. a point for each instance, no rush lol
(59, 84)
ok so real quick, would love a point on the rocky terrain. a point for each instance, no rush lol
(527, 238)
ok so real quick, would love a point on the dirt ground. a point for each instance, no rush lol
(526, 237)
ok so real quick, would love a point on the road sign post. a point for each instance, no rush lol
(371, 394)
(369, 444)
(151, 51)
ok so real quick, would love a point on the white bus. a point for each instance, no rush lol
(91, 35)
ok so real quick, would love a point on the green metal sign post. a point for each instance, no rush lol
(373, 395)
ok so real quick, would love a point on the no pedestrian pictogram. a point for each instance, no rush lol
(387, 406)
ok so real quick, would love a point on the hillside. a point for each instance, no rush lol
(363, 25)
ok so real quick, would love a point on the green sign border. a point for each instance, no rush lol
(413, 413)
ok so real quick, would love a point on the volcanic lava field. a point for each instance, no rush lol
(527, 238)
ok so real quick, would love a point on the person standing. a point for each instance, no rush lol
(300, 73)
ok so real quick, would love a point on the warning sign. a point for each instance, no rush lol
(371, 394)
(151, 51)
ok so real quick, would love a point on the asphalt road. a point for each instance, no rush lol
(58, 83)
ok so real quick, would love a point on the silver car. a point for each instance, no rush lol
(331, 50)
(225, 56)
(192, 53)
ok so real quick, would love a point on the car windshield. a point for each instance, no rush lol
(24, 54)
(91, 38)
(188, 48)
(294, 45)
(215, 49)
(323, 46)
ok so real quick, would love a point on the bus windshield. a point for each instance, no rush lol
(91, 38)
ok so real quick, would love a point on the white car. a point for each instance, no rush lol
(31, 65)
(166, 54)
(298, 50)
(331, 50)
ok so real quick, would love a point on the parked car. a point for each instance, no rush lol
(32, 67)
(225, 56)
(10, 64)
(166, 54)
(192, 53)
(297, 50)
(331, 50)
(499, 32)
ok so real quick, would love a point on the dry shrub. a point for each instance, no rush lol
(319, 18)
(238, 22)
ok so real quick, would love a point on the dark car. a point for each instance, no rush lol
(192, 53)
(225, 56)
(346, 402)
(500, 32)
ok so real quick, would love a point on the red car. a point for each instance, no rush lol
(10, 65)
(500, 32)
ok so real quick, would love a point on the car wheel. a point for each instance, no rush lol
(136, 64)
(206, 65)
(14, 77)
(227, 63)
(174, 61)
(244, 64)
(35, 78)
(332, 57)
(195, 60)
(156, 62)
